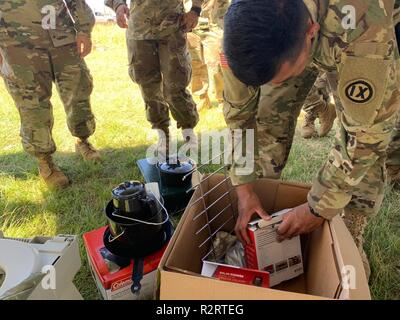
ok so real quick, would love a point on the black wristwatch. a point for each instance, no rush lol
(313, 212)
(197, 10)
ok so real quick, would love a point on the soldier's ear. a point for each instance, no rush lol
(313, 29)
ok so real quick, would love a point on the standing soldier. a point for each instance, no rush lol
(393, 161)
(159, 61)
(317, 105)
(204, 47)
(45, 41)
(365, 57)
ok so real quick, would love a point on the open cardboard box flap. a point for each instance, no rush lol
(329, 252)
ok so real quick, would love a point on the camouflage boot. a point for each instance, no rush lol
(87, 151)
(308, 128)
(51, 174)
(326, 119)
(356, 224)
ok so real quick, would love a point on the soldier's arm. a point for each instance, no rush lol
(114, 4)
(240, 109)
(367, 104)
(83, 17)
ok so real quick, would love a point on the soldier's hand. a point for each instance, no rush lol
(84, 44)
(298, 221)
(190, 21)
(248, 204)
(122, 16)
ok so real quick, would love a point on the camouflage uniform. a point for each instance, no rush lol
(317, 105)
(159, 61)
(318, 96)
(393, 161)
(204, 47)
(35, 57)
(366, 97)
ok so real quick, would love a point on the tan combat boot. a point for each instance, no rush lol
(326, 119)
(356, 224)
(205, 102)
(308, 128)
(51, 174)
(87, 151)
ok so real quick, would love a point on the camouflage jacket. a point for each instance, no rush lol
(30, 21)
(218, 12)
(213, 13)
(153, 19)
(362, 56)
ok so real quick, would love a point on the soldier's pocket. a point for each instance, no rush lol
(131, 59)
(178, 47)
(23, 88)
(363, 81)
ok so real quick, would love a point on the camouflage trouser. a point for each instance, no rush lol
(275, 120)
(162, 70)
(204, 48)
(318, 98)
(356, 224)
(393, 161)
(29, 81)
(200, 81)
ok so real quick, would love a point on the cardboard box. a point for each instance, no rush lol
(116, 285)
(332, 265)
(283, 260)
(235, 274)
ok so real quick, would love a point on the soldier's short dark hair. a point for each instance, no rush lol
(259, 35)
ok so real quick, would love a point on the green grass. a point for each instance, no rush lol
(28, 208)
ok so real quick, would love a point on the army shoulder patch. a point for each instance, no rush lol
(361, 87)
(360, 91)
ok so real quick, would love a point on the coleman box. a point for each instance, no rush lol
(332, 264)
(282, 260)
(113, 276)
